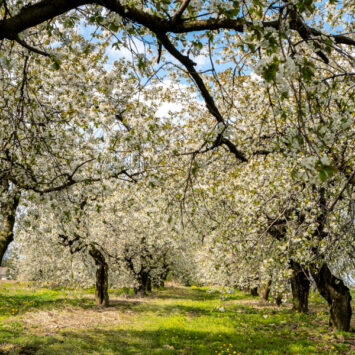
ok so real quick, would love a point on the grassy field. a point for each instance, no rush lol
(176, 320)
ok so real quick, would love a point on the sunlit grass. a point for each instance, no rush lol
(171, 321)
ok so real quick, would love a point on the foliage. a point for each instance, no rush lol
(254, 171)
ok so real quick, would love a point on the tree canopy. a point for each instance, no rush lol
(254, 163)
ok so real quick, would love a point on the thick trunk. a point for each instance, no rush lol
(254, 291)
(330, 287)
(144, 284)
(101, 291)
(149, 285)
(163, 278)
(159, 283)
(300, 285)
(6, 237)
(156, 283)
(145, 281)
(337, 295)
(265, 291)
(8, 214)
(278, 300)
(139, 290)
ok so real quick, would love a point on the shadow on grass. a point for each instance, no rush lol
(17, 304)
(21, 303)
(160, 309)
(171, 329)
(196, 294)
(168, 341)
(193, 303)
(193, 294)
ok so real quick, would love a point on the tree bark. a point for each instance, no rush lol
(140, 290)
(101, 290)
(278, 300)
(300, 286)
(337, 295)
(149, 285)
(34, 14)
(8, 215)
(159, 283)
(265, 291)
(254, 291)
(144, 284)
(164, 277)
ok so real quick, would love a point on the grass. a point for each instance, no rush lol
(178, 320)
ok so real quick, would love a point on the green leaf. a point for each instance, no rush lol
(56, 64)
(330, 170)
(284, 95)
(197, 44)
(269, 72)
(251, 46)
(194, 169)
(322, 175)
(307, 73)
(307, 70)
(141, 63)
(325, 171)
(113, 27)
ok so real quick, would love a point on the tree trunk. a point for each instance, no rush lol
(8, 212)
(139, 291)
(163, 277)
(144, 284)
(156, 283)
(265, 291)
(254, 291)
(101, 291)
(300, 285)
(337, 295)
(278, 300)
(159, 283)
(149, 285)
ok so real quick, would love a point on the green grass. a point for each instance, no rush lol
(178, 320)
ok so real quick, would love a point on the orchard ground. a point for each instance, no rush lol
(175, 320)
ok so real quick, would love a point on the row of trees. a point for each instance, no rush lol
(254, 170)
(128, 239)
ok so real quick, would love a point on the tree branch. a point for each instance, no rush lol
(33, 15)
(30, 48)
(180, 11)
(211, 106)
